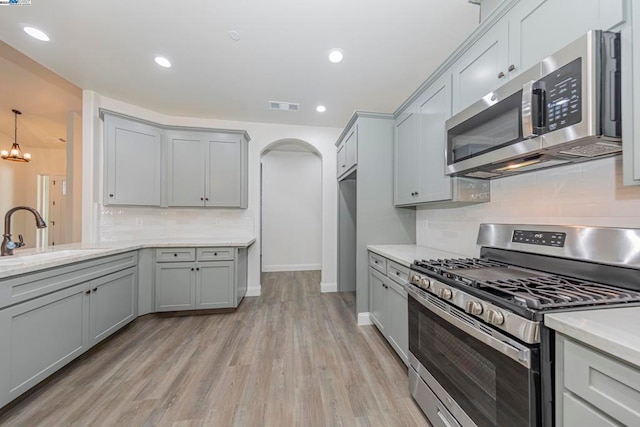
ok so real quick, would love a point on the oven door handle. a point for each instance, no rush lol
(521, 355)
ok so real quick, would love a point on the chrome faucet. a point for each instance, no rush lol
(7, 244)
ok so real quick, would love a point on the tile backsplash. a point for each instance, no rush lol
(584, 194)
(132, 223)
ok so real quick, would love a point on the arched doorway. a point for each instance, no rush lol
(290, 207)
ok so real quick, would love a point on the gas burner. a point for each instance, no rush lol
(556, 291)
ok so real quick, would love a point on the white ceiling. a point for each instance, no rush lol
(43, 97)
(390, 48)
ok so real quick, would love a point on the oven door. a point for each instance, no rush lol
(482, 377)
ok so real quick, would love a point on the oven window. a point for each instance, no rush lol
(491, 388)
(495, 127)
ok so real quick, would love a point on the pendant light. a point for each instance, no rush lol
(15, 154)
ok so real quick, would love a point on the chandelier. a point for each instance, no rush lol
(15, 154)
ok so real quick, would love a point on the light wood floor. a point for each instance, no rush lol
(291, 357)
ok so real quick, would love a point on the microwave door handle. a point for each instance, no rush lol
(527, 111)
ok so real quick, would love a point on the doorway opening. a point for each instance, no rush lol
(290, 207)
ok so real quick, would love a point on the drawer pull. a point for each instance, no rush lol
(397, 273)
(175, 254)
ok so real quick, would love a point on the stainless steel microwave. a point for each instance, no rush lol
(565, 109)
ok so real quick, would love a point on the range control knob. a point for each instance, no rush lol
(445, 293)
(473, 307)
(495, 317)
(415, 279)
(425, 283)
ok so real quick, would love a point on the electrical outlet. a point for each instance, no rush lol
(139, 222)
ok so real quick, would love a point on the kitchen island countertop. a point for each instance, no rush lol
(610, 330)
(31, 260)
(406, 254)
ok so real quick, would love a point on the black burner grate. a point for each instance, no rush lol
(557, 291)
(524, 287)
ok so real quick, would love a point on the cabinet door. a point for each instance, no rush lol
(528, 45)
(186, 176)
(406, 158)
(226, 174)
(482, 68)
(175, 286)
(215, 284)
(133, 159)
(351, 147)
(39, 337)
(434, 112)
(114, 302)
(378, 295)
(341, 155)
(576, 412)
(398, 320)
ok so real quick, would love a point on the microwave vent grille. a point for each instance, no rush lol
(482, 174)
(596, 149)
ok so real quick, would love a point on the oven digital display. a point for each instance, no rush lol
(540, 238)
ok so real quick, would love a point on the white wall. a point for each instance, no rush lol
(292, 211)
(101, 223)
(590, 193)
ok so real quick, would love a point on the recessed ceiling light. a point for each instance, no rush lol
(36, 34)
(234, 35)
(321, 108)
(335, 55)
(163, 62)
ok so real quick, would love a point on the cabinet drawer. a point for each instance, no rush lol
(378, 262)
(24, 287)
(215, 254)
(398, 273)
(611, 386)
(175, 254)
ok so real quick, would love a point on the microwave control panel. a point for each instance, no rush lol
(540, 238)
(563, 89)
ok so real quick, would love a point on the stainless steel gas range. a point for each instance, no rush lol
(479, 351)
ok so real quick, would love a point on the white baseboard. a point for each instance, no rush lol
(290, 267)
(328, 287)
(253, 291)
(364, 319)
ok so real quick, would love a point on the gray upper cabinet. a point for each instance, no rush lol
(128, 180)
(226, 172)
(207, 169)
(482, 68)
(186, 172)
(407, 159)
(156, 165)
(347, 153)
(516, 42)
(528, 45)
(434, 111)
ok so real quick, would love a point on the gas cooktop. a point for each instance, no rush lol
(533, 289)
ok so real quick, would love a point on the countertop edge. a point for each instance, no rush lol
(571, 328)
(96, 251)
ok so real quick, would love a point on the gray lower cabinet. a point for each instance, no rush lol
(388, 303)
(594, 388)
(43, 334)
(206, 278)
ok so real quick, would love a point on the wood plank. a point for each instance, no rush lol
(292, 356)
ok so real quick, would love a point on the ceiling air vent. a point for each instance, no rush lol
(283, 106)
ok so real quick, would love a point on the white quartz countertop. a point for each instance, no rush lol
(406, 254)
(31, 260)
(612, 330)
